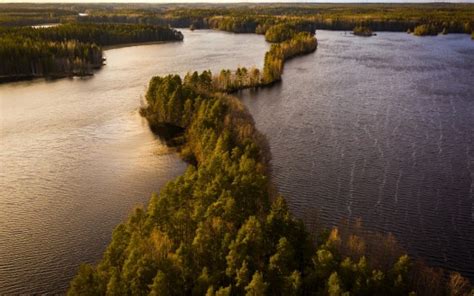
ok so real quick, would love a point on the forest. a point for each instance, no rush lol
(68, 49)
(219, 229)
(230, 81)
(425, 30)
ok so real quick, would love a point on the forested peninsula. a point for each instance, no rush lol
(220, 230)
(69, 49)
(257, 18)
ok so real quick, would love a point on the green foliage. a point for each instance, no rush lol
(252, 18)
(298, 44)
(257, 286)
(334, 285)
(241, 24)
(160, 286)
(426, 29)
(362, 31)
(279, 33)
(28, 15)
(86, 282)
(216, 230)
(28, 58)
(101, 34)
(287, 29)
(165, 103)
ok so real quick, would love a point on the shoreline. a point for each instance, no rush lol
(116, 46)
(19, 78)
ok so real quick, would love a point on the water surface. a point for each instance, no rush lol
(380, 128)
(75, 156)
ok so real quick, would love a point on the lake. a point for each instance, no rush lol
(381, 129)
(76, 157)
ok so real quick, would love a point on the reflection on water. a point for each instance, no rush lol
(379, 128)
(75, 156)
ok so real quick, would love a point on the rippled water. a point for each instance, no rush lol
(380, 128)
(75, 156)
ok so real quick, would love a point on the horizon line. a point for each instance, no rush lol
(233, 2)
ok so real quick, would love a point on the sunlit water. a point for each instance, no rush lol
(46, 25)
(75, 156)
(380, 128)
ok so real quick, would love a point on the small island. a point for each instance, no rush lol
(363, 31)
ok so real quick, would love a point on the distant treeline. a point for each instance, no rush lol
(258, 24)
(69, 49)
(218, 229)
(253, 18)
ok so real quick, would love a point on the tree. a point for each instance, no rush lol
(279, 33)
(293, 284)
(459, 286)
(115, 285)
(248, 246)
(400, 274)
(282, 260)
(334, 285)
(69, 49)
(243, 276)
(86, 282)
(160, 286)
(202, 283)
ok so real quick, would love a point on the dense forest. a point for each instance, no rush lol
(253, 18)
(29, 15)
(219, 230)
(69, 49)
